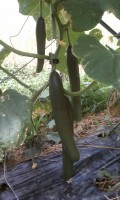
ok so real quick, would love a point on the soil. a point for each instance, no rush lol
(87, 126)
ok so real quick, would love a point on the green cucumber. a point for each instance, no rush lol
(41, 41)
(61, 117)
(74, 78)
(69, 112)
(67, 169)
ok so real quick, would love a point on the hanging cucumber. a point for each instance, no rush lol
(41, 40)
(60, 112)
(69, 111)
(67, 169)
(74, 78)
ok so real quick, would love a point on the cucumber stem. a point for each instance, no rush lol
(68, 37)
(40, 8)
(22, 53)
(78, 93)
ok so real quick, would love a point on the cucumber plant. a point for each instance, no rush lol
(100, 63)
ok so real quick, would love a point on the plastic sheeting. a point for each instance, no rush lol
(46, 183)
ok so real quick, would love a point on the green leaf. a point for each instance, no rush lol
(111, 6)
(29, 7)
(97, 33)
(85, 15)
(62, 53)
(15, 116)
(32, 8)
(97, 61)
(3, 54)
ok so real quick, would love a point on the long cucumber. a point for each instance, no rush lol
(74, 78)
(41, 41)
(61, 117)
(67, 169)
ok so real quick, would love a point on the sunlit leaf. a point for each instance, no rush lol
(96, 59)
(84, 14)
(63, 46)
(15, 116)
(97, 33)
(32, 8)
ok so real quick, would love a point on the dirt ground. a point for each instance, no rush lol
(88, 125)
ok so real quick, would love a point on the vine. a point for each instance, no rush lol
(22, 53)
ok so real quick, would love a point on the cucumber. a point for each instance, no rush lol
(41, 41)
(62, 120)
(69, 112)
(67, 169)
(74, 78)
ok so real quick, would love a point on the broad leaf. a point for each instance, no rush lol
(15, 116)
(111, 6)
(31, 7)
(97, 60)
(84, 14)
(115, 7)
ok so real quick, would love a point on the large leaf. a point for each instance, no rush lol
(115, 7)
(26, 7)
(98, 61)
(111, 6)
(15, 116)
(85, 14)
(31, 7)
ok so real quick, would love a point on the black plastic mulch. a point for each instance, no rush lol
(46, 183)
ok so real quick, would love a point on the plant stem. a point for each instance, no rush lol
(69, 43)
(68, 93)
(61, 28)
(41, 8)
(37, 93)
(113, 129)
(115, 187)
(15, 78)
(33, 55)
